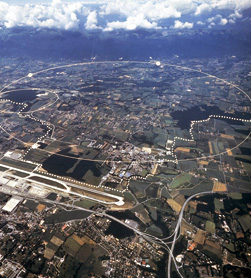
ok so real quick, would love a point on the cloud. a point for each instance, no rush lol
(180, 25)
(235, 15)
(126, 14)
(56, 15)
(132, 23)
(232, 4)
(152, 10)
(203, 8)
(155, 10)
(218, 19)
(211, 19)
(91, 22)
(223, 21)
(200, 23)
(243, 5)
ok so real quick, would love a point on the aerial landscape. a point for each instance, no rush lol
(125, 146)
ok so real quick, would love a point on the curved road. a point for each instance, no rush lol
(178, 227)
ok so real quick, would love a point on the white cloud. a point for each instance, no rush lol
(224, 4)
(235, 15)
(91, 22)
(152, 10)
(218, 19)
(135, 13)
(180, 25)
(203, 8)
(56, 15)
(161, 11)
(223, 21)
(211, 19)
(132, 23)
(243, 4)
(200, 23)
(232, 4)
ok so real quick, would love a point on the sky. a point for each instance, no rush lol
(122, 14)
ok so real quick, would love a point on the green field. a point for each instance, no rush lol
(218, 204)
(210, 227)
(180, 180)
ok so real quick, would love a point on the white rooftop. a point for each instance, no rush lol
(12, 203)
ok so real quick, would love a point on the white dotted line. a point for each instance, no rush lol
(14, 102)
(75, 181)
(191, 133)
(139, 177)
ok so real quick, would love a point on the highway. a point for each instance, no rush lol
(148, 237)
(67, 184)
(72, 206)
(177, 228)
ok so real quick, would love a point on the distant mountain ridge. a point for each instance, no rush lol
(133, 45)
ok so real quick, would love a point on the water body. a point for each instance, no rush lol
(195, 113)
(21, 96)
